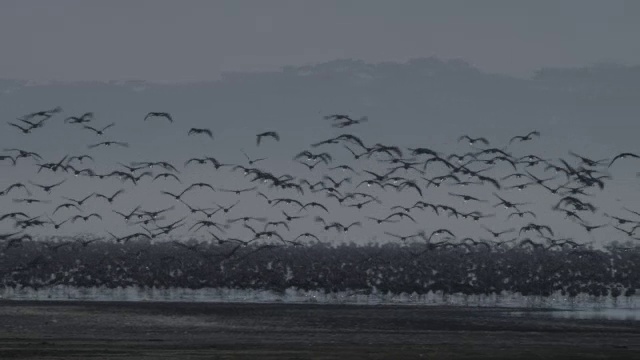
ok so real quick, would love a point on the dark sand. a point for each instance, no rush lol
(111, 330)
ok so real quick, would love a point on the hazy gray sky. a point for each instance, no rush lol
(189, 40)
(410, 105)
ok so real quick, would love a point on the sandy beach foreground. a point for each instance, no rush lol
(118, 330)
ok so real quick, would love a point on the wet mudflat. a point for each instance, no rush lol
(118, 330)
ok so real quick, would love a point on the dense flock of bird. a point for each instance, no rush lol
(377, 169)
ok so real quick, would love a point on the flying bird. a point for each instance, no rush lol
(472, 141)
(85, 218)
(110, 198)
(44, 113)
(84, 118)
(350, 122)
(252, 161)
(527, 137)
(98, 131)
(271, 134)
(153, 114)
(48, 188)
(25, 130)
(623, 156)
(337, 117)
(196, 131)
(108, 144)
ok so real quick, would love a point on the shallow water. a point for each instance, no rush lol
(580, 307)
(199, 330)
(627, 314)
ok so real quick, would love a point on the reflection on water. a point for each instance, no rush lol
(628, 314)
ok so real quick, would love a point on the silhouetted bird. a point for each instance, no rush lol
(271, 134)
(527, 137)
(159, 114)
(196, 131)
